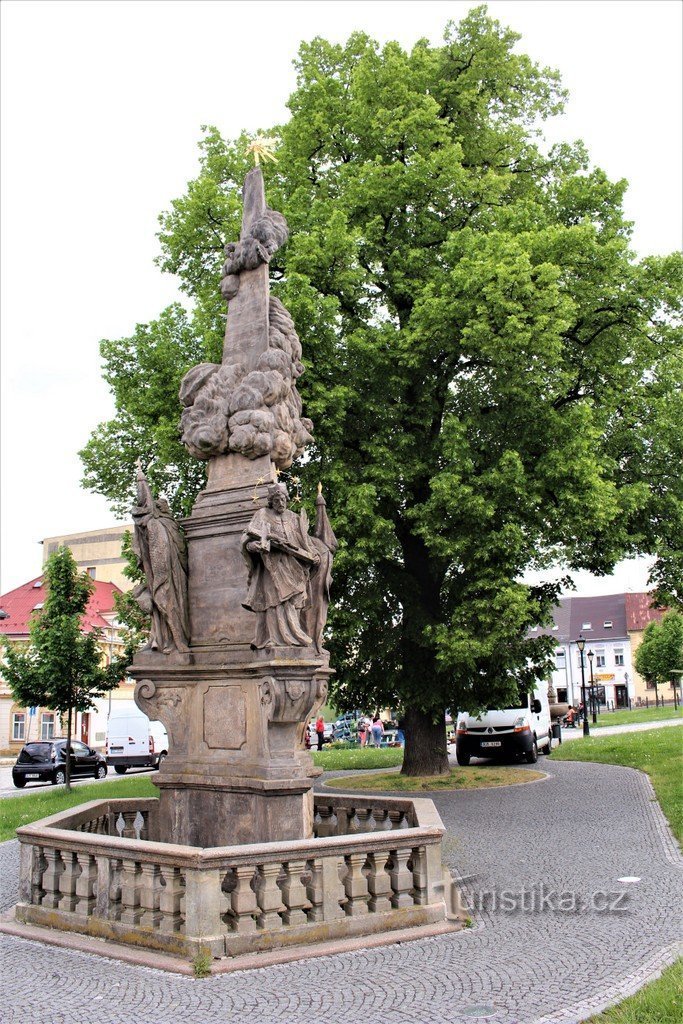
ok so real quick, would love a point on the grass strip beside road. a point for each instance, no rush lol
(350, 759)
(658, 752)
(479, 777)
(656, 1003)
(636, 716)
(22, 810)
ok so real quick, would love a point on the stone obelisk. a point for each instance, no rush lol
(236, 712)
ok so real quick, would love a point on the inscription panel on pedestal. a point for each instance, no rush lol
(225, 718)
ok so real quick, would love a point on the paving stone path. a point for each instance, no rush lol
(555, 935)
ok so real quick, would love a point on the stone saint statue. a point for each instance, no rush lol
(325, 543)
(278, 550)
(160, 550)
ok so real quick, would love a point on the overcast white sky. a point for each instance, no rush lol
(102, 104)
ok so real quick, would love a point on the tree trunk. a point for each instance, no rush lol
(67, 769)
(426, 751)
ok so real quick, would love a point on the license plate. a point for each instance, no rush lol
(32, 775)
(116, 750)
(491, 743)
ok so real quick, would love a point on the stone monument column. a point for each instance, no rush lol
(236, 700)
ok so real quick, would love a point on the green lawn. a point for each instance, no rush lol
(660, 1002)
(637, 715)
(22, 810)
(337, 759)
(659, 752)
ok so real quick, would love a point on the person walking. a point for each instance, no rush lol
(320, 731)
(377, 731)
(362, 731)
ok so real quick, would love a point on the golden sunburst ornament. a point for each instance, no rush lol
(262, 149)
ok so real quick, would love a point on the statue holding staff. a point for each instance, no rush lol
(280, 557)
(160, 549)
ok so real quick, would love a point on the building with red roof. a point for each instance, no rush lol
(612, 626)
(17, 607)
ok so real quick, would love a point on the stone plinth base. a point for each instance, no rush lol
(210, 813)
(237, 771)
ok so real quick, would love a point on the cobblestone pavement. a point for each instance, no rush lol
(555, 935)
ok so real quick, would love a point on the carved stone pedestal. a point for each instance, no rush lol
(237, 771)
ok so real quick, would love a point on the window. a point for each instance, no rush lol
(618, 656)
(47, 725)
(91, 571)
(607, 624)
(19, 725)
(587, 625)
(599, 659)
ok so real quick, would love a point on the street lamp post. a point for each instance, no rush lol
(581, 643)
(590, 657)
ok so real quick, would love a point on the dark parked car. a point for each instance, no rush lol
(45, 761)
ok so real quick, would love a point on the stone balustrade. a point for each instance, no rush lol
(374, 864)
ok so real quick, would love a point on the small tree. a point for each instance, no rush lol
(660, 656)
(62, 666)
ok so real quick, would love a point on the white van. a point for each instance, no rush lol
(507, 732)
(133, 741)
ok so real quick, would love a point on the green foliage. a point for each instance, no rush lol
(202, 963)
(659, 658)
(61, 666)
(495, 381)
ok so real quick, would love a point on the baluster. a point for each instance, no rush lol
(315, 891)
(149, 895)
(396, 817)
(170, 881)
(342, 816)
(294, 894)
(269, 897)
(379, 883)
(130, 891)
(85, 884)
(419, 876)
(328, 821)
(67, 881)
(401, 879)
(51, 875)
(352, 822)
(382, 819)
(356, 885)
(243, 905)
(364, 815)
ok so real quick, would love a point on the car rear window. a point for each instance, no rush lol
(35, 752)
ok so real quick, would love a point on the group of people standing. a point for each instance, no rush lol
(370, 731)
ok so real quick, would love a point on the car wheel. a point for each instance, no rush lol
(548, 748)
(531, 756)
(59, 777)
(120, 769)
(19, 783)
(101, 771)
(462, 759)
